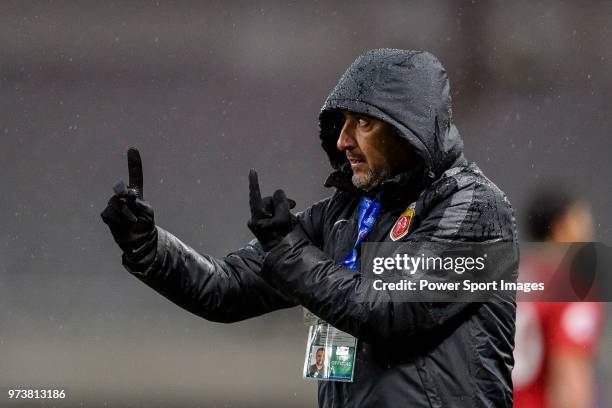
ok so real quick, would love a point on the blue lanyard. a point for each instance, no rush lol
(368, 212)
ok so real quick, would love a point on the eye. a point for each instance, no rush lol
(363, 121)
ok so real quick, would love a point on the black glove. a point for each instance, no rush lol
(128, 216)
(270, 219)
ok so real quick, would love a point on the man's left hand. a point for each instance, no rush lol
(270, 219)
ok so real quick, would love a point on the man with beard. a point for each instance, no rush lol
(316, 370)
(399, 175)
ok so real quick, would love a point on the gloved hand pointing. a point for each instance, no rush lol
(270, 219)
(128, 216)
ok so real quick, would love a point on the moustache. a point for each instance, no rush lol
(355, 157)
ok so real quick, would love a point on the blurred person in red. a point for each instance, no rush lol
(555, 341)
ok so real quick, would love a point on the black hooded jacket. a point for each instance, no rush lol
(409, 354)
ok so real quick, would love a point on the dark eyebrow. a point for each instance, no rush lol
(356, 115)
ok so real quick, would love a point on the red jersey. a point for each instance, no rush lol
(543, 328)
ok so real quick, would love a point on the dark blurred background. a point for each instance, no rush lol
(207, 90)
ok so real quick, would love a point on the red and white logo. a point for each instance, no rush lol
(402, 225)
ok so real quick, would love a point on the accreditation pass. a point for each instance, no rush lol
(330, 353)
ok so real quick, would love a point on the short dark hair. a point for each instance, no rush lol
(548, 204)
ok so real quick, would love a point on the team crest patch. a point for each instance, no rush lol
(402, 225)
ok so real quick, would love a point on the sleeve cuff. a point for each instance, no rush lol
(276, 257)
(144, 267)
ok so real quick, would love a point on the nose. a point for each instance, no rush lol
(346, 140)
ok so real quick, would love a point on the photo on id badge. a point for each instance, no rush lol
(318, 362)
(330, 360)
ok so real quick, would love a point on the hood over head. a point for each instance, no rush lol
(407, 89)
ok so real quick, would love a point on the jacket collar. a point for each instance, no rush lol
(396, 191)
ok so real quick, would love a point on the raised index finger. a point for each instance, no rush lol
(255, 201)
(135, 170)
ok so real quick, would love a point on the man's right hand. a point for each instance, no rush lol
(128, 216)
